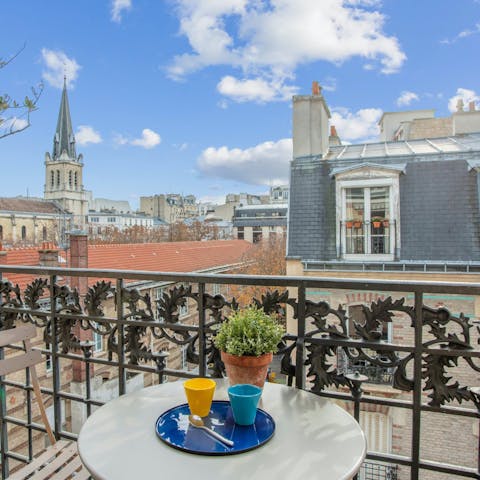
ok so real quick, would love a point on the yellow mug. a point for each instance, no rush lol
(199, 393)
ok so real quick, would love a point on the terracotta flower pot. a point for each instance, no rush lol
(386, 223)
(357, 224)
(246, 369)
(349, 224)
(377, 224)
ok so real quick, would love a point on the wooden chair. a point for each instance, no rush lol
(60, 461)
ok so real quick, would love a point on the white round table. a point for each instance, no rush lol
(314, 438)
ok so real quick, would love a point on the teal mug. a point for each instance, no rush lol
(244, 400)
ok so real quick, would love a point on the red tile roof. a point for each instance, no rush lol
(158, 257)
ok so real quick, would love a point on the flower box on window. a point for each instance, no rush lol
(357, 224)
(348, 223)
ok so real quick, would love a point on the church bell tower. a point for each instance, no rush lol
(64, 170)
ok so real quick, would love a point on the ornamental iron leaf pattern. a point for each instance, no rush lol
(332, 338)
(9, 297)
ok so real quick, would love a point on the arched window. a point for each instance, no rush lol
(52, 179)
(44, 234)
(70, 179)
(76, 180)
(58, 178)
(24, 232)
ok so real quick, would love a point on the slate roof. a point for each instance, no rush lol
(19, 204)
(154, 257)
(64, 139)
(439, 183)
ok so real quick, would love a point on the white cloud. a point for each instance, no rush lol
(213, 199)
(86, 134)
(118, 6)
(181, 147)
(264, 164)
(466, 95)
(406, 98)
(358, 127)
(272, 38)
(256, 90)
(119, 139)
(12, 124)
(463, 34)
(149, 139)
(58, 66)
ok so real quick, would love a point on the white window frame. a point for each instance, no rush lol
(98, 341)
(368, 176)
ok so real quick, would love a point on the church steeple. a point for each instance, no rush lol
(64, 170)
(64, 139)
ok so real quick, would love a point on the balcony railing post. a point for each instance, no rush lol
(417, 388)
(57, 406)
(3, 413)
(121, 337)
(202, 360)
(300, 355)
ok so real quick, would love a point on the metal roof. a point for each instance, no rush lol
(460, 143)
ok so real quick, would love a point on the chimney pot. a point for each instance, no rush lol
(316, 89)
(459, 105)
(333, 131)
(471, 106)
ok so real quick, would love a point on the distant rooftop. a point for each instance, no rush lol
(460, 143)
(264, 206)
(34, 205)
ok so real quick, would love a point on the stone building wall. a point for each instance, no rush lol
(11, 229)
(430, 128)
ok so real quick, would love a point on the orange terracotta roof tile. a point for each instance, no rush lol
(154, 257)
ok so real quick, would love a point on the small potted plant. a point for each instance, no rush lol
(348, 223)
(376, 222)
(386, 223)
(357, 224)
(247, 341)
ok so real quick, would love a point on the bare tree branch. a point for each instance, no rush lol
(11, 123)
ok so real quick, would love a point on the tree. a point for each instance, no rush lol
(15, 115)
(264, 258)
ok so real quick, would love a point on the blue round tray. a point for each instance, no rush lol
(174, 429)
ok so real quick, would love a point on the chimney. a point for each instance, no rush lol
(459, 105)
(79, 259)
(48, 255)
(471, 106)
(310, 124)
(334, 139)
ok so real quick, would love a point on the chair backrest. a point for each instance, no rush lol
(24, 333)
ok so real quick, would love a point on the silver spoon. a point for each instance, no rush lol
(197, 422)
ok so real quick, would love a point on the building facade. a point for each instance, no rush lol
(27, 221)
(169, 208)
(255, 223)
(398, 209)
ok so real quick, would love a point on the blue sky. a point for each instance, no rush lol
(194, 96)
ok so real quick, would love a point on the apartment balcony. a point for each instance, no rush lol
(104, 333)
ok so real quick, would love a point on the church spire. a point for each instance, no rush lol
(64, 139)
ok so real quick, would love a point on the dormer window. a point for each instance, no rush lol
(368, 212)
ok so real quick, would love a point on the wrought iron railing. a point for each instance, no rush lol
(377, 471)
(119, 308)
